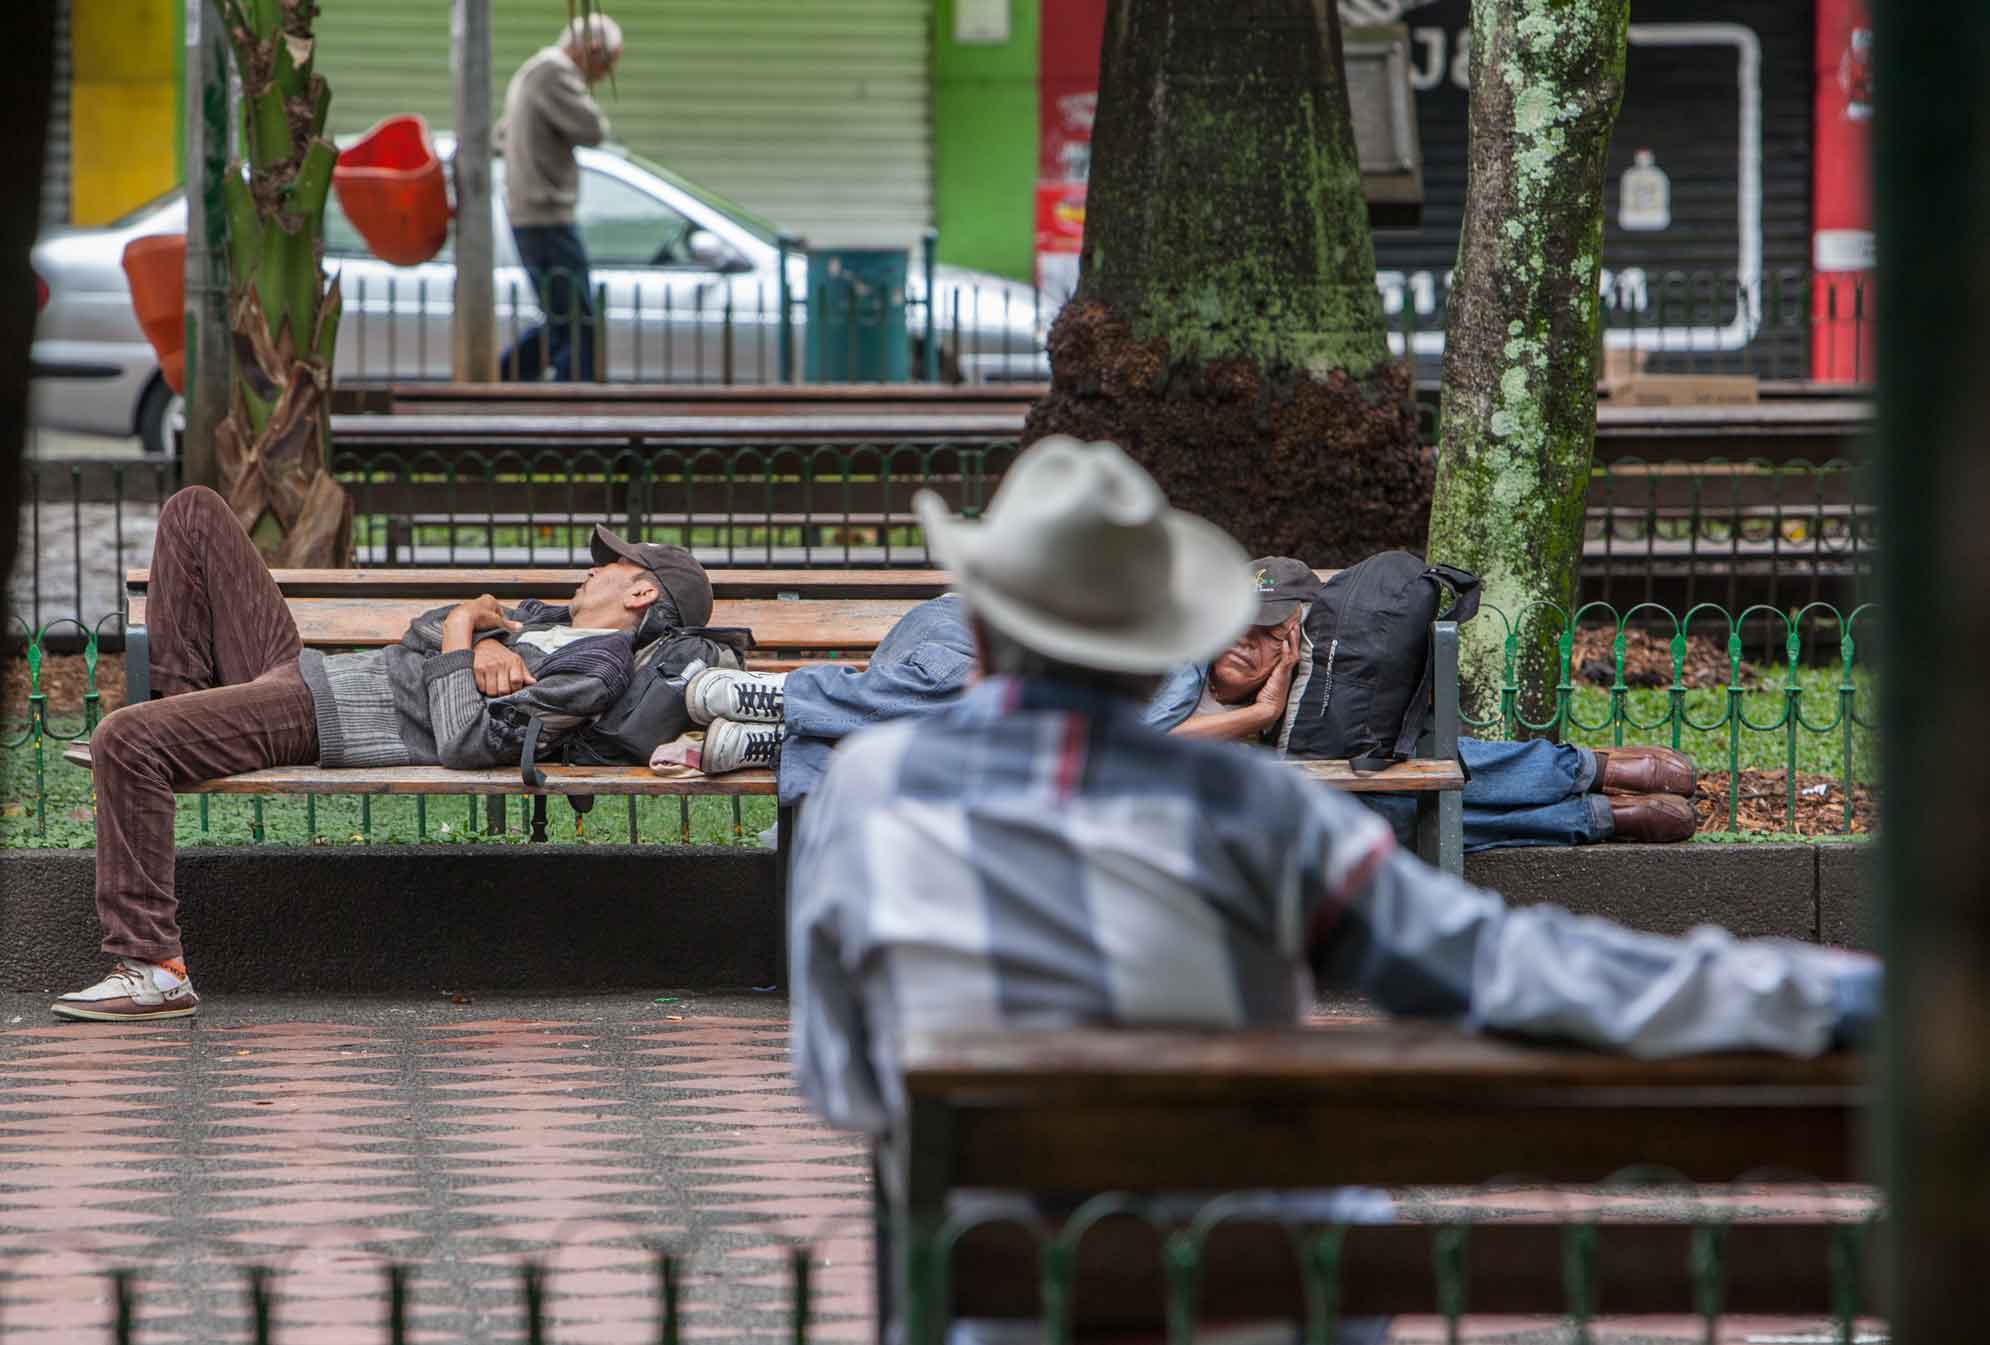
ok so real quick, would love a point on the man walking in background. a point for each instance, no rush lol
(548, 110)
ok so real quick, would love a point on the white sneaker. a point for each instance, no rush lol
(728, 693)
(134, 991)
(731, 746)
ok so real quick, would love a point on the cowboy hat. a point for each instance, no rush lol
(1082, 560)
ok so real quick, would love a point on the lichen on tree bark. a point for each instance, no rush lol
(1226, 329)
(1519, 406)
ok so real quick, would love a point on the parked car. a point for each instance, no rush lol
(692, 284)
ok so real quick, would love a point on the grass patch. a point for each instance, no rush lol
(1647, 716)
(55, 809)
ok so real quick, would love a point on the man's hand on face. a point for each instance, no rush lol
(1279, 685)
(499, 671)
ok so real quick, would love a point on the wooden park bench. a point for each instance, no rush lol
(796, 616)
(1391, 1104)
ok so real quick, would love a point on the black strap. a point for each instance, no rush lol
(1463, 586)
(528, 766)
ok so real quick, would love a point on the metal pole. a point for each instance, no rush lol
(473, 354)
(787, 244)
(1930, 156)
(929, 347)
(207, 359)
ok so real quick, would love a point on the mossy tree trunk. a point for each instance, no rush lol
(1226, 329)
(1519, 407)
(283, 315)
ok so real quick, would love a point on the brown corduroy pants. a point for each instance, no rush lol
(230, 699)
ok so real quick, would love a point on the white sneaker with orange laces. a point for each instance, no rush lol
(135, 991)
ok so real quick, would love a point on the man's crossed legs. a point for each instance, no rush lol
(223, 657)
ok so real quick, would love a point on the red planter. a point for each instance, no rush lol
(156, 266)
(392, 187)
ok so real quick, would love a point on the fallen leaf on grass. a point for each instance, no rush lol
(12, 809)
(462, 999)
(80, 815)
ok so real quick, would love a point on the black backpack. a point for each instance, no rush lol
(1362, 687)
(652, 710)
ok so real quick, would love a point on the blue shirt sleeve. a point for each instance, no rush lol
(1176, 699)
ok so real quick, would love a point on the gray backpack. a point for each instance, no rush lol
(651, 711)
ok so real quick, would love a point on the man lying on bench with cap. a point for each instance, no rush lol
(236, 691)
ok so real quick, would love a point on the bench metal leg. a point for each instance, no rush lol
(785, 818)
(137, 668)
(1440, 822)
(539, 817)
(495, 807)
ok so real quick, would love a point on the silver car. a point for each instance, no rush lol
(692, 286)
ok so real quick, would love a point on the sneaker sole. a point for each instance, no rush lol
(85, 1015)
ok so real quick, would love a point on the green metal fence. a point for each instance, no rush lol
(1779, 700)
(1806, 709)
(1317, 1255)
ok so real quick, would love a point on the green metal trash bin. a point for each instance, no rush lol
(856, 316)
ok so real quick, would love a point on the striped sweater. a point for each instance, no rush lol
(410, 704)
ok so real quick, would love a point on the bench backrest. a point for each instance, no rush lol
(1391, 1104)
(788, 611)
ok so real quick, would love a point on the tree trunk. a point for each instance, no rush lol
(1226, 328)
(282, 314)
(1519, 410)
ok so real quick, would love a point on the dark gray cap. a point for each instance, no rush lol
(677, 572)
(1283, 585)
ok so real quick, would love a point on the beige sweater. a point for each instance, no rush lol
(547, 111)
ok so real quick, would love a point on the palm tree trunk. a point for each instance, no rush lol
(283, 315)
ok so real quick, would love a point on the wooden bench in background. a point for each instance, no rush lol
(1393, 1104)
(796, 616)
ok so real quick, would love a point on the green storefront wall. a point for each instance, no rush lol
(985, 109)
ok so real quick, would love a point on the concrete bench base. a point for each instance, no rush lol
(484, 918)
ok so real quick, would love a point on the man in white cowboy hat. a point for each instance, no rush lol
(1035, 855)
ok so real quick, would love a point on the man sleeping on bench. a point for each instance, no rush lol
(240, 693)
(1531, 793)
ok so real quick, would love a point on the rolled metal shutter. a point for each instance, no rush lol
(55, 169)
(1719, 92)
(815, 115)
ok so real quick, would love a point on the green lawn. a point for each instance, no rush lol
(1817, 752)
(346, 820)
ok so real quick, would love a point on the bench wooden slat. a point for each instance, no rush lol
(818, 623)
(443, 584)
(1380, 1105)
(441, 780)
(1403, 777)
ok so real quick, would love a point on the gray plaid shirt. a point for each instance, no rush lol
(1035, 857)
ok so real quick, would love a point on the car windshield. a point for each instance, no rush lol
(760, 228)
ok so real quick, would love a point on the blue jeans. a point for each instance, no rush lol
(919, 667)
(554, 257)
(1531, 793)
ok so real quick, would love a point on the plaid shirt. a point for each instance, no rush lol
(1035, 857)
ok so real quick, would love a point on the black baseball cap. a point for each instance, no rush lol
(676, 571)
(1283, 585)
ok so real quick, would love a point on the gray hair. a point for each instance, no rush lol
(593, 32)
(1005, 656)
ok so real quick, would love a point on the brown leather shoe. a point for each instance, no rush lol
(1645, 770)
(1652, 818)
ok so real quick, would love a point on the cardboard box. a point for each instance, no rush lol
(1685, 390)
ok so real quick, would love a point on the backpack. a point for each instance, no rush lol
(1362, 687)
(652, 710)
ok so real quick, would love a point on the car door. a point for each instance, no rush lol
(669, 318)
(395, 320)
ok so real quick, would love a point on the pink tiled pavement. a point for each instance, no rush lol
(462, 1141)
